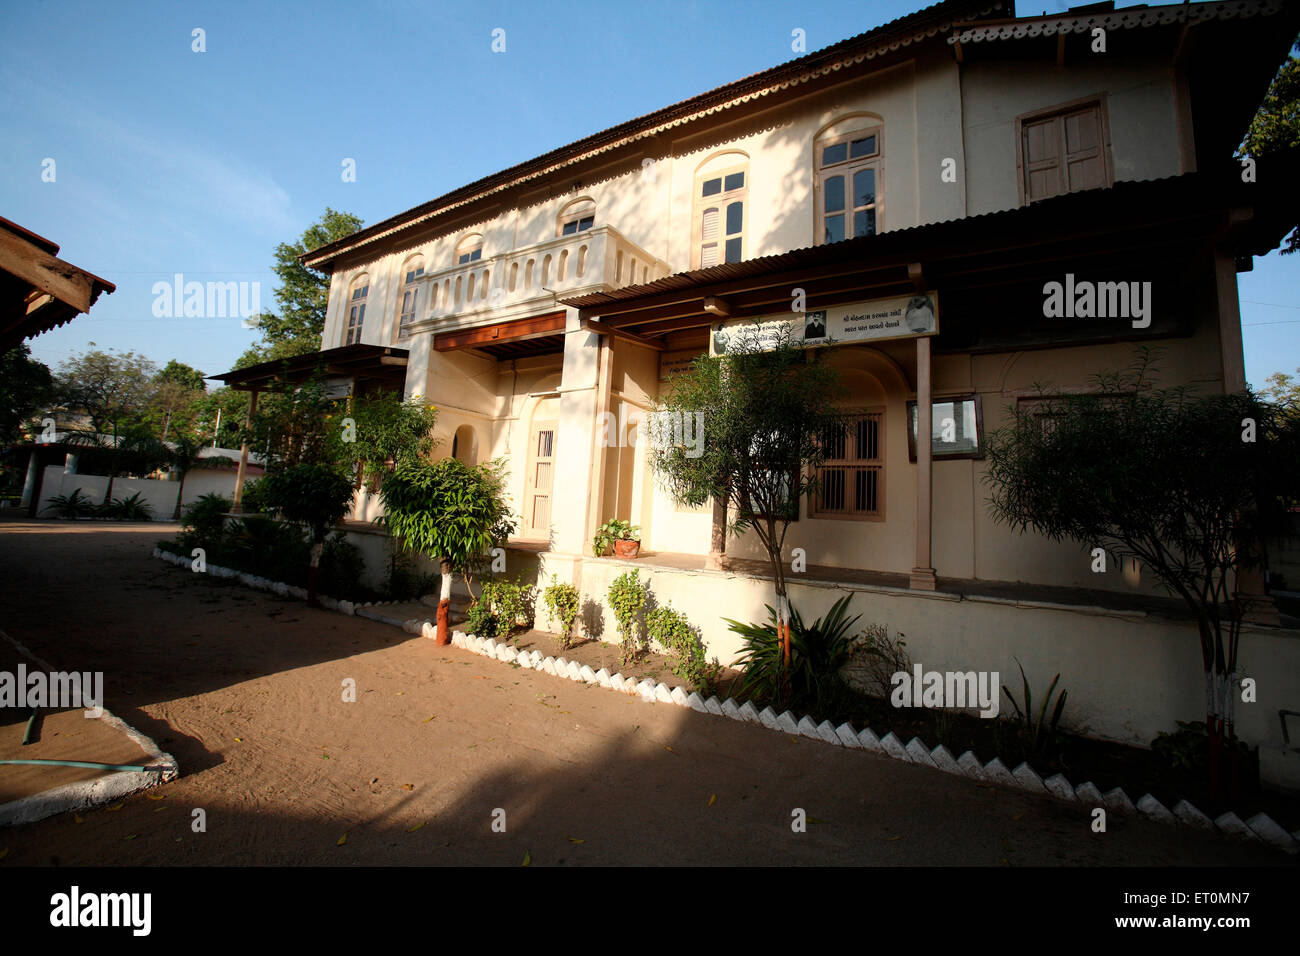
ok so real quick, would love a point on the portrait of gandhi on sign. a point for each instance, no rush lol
(920, 314)
(814, 325)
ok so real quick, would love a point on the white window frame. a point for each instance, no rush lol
(354, 309)
(847, 167)
(408, 287)
(721, 201)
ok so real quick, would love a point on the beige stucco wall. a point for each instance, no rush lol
(1129, 676)
(1140, 107)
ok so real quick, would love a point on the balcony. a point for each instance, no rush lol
(519, 283)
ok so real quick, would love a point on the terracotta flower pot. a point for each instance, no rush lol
(626, 549)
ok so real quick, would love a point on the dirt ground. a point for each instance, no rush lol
(247, 691)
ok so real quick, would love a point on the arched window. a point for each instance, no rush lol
(577, 216)
(356, 306)
(409, 296)
(721, 194)
(848, 159)
(469, 249)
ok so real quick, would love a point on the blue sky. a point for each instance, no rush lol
(173, 161)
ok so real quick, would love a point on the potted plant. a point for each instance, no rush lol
(621, 536)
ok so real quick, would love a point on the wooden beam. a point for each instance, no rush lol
(716, 305)
(623, 334)
(45, 272)
(500, 332)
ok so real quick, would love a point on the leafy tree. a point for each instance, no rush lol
(388, 431)
(1283, 389)
(767, 404)
(1275, 128)
(222, 429)
(25, 386)
(449, 511)
(297, 423)
(313, 493)
(302, 296)
(173, 405)
(1184, 483)
(178, 373)
(113, 390)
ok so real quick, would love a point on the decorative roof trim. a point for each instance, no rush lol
(1117, 20)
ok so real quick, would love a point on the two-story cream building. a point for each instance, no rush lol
(959, 153)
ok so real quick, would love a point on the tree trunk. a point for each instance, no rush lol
(313, 571)
(444, 603)
(180, 493)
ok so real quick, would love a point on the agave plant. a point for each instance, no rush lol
(75, 505)
(1038, 733)
(817, 652)
(133, 508)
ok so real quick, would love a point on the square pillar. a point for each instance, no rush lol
(579, 455)
(922, 577)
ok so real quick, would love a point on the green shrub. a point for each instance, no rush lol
(502, 608)
(671, 629)
(205, 518)
(341, 567)
(75, 505)
(817, 653)
(253, 500)
(404, 581)
(1037, 733)
(627, 596)
(562, 601)
(133, 508)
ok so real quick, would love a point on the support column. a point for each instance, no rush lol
(29, 485)
(922, 578)
(1258, 606)
(579, 452)
(238, 506)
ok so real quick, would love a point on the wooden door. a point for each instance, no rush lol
(538, 493)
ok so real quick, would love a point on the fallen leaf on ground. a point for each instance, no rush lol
(116, 806)
(342, 840)
(892, 839)
(155, 796)
(576, 840)
(713, 799)
(429, 718)
(528, 858)
(159, 809)
(76, 818)
(669, 749)
(414, 828)
(239, 739)
(408, 786)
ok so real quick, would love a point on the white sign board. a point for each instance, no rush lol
(902, 317)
